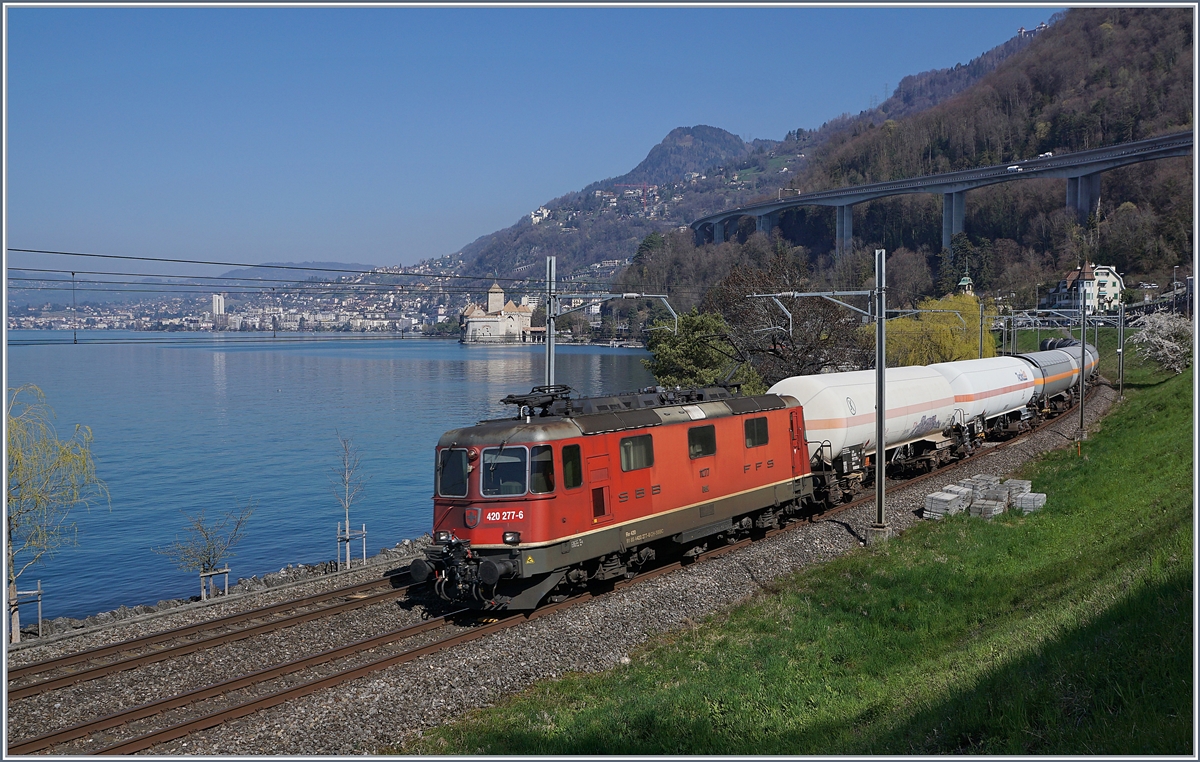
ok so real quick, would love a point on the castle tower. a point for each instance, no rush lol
(495, 298)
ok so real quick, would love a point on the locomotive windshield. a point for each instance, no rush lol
(452, 473)
(503, 471)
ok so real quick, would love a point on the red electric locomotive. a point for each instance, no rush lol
(574, 490)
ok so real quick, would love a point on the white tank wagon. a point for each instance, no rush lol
(934, 413)
(839, 411)
(994, 389)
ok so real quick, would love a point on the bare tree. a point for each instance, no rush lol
(1165, 340)
(208, 544)
(47, 477)
(347, 483)
(819, 334)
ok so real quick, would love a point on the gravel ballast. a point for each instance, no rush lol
(391, 706)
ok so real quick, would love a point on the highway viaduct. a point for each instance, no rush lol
(1081, 169)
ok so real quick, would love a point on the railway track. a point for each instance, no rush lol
(219, 703)
(174, 717)
(486, 624)
(86, 665)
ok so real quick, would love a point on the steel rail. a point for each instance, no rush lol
(152, 708)
(182, 729)
(188, 647)
(213, 719)
(39, 667)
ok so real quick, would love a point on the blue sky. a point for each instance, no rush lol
(388, 135)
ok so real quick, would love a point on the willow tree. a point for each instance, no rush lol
(47, 478)
(951, 333)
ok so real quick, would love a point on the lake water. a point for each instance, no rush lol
(184, 422)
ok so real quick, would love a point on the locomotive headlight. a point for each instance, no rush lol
(512, 538)
(441, 537)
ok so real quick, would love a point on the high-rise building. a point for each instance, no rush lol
(218, 304)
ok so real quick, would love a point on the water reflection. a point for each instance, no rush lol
(218, 371)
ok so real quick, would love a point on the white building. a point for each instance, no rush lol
(218, 304)
(502, 322)
(1102, 288)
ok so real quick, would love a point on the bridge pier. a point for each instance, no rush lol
(954, 207)
(845, 230)
(765, 223)
(719, 231)
(1083, 193)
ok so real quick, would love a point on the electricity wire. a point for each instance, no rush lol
(249, 286)
(405, 273)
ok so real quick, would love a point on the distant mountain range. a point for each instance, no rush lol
(694, 171)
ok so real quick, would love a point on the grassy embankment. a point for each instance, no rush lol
(1068, 631)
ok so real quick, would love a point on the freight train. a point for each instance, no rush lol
(577, 490)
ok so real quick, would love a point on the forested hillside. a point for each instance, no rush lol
(1096, 77)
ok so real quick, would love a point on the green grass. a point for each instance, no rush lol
(1068, 631)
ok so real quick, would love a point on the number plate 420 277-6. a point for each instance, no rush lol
(504, 515)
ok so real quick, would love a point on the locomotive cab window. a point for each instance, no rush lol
(541, 469)
(503, 471)
(572, 466)
(452, 472)
(637, 452)
(702, 441)
(756, 432)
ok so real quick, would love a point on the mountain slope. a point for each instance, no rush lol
(687, 149)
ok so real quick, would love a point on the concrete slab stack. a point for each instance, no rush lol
(987, 508)
(939, 504)
(978, 483)
(1029, 502)
(967, 493)
(997, 493)
(1017, 487)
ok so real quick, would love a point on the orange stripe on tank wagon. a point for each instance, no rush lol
(857, 420)
(992, 393)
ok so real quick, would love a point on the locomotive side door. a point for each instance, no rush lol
(702, 452)
(598, 481)
(800, 463)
